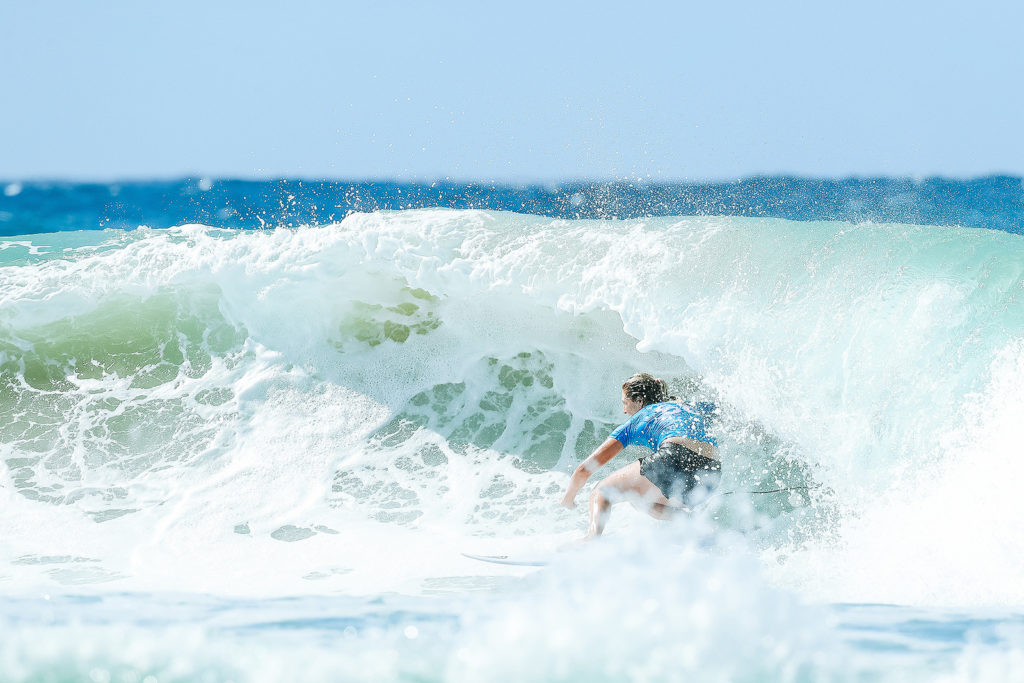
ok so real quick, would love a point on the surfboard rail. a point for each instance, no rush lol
(508, 560)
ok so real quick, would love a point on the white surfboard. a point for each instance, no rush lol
(508, 559)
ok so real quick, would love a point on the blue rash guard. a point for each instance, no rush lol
(652, 424)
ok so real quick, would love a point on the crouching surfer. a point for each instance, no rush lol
(683, 469)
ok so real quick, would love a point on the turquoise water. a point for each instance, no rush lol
(258, 455)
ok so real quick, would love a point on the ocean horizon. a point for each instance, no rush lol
(32, 206)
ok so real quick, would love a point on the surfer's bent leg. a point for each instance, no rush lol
(622, 484)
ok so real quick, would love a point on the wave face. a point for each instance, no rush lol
(347, 405)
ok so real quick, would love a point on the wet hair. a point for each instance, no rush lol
(646, 389)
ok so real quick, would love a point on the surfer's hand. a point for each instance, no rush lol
(568, 503)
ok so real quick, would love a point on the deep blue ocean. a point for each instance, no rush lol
(995, 202)
(249, 428)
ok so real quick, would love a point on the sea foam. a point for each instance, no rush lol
(347, 407)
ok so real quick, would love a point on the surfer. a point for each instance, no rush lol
(683, 469)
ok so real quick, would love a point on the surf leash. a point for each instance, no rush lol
(710, 498)
(784, 488)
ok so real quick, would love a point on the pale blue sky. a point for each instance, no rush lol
(519, 91)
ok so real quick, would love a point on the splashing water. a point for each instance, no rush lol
(343, 410)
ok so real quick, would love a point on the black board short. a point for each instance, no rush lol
(680, 473)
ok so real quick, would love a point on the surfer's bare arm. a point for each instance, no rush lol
(605, 452)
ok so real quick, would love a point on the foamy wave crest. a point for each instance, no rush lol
(179, 402)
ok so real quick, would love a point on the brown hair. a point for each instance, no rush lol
(646, 389)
